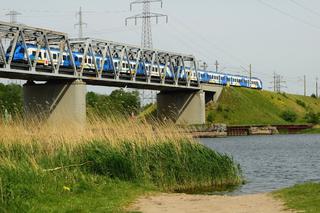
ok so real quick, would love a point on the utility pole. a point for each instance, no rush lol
(80, 23)
(217, 66)
(250, 72)
(146, 34)
(274, 81)
(317, 88)
(13, 20)
(204, 66)
(305, 85)
(13, 16)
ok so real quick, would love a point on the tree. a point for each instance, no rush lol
(118, 103)
(11, 100)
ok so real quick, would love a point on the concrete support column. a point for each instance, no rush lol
(57, 102)
(182, 107)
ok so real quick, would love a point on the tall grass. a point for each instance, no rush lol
(41, 162)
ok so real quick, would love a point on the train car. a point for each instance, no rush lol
(127, 67)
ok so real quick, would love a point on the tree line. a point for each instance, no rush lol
(118, 103)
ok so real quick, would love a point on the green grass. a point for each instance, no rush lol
(99, 176)
(305, 197)
(311, 131)
(240, 106)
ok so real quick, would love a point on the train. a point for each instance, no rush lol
(109, 65)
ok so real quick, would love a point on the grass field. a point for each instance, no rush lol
(240, 106)
(103, 167)
(304, 198)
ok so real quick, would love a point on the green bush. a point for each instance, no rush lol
(289, 116)
(210, 117)
(11, 101)
(301, 103)
(313, 118)
(118, 103)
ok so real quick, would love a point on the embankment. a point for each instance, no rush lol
(240, 106)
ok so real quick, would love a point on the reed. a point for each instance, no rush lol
(40, 161)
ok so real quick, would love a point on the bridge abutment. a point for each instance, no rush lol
(182, 107)
(58, 102)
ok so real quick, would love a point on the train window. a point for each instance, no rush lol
(116, 64)
(45, 55)
(34, 53)
(64, 57)
(127, 66)
(9, 49)
(21, 50)
(54, 56)
(85, 60)
(80, 59)
(89, 61)
(40, 55)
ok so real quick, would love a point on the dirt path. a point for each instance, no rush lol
(182, 203)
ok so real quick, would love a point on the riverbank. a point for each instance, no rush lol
(303, 198)
(102, 167)
(298, 198)
(180, 203)
(220, 130)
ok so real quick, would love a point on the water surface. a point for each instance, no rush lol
(272, 162)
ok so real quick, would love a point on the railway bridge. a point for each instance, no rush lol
(57, 93)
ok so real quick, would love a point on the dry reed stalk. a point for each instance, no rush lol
(112, 130)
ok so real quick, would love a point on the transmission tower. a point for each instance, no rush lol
(278, 83)
(146, 35)
(146, 16)
(13, 16)
(80, 23)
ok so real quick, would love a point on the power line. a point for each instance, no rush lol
(289, 15)
(305, 8)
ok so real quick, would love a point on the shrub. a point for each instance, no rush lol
(313, 118)
(210, 117)
(314, 96)
(301, 103)
(289, 116)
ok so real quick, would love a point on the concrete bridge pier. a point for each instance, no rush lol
(182, 107)
(58, 102)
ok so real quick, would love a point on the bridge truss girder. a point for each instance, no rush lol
(47, 40)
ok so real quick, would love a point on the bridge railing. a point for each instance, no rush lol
(55, 54)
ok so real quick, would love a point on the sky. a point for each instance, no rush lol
(272, 35)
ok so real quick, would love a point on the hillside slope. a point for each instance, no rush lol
(240, 106)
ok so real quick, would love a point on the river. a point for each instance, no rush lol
(272, 162)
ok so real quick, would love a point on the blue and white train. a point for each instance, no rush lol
(19, 56)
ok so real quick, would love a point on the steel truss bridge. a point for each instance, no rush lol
(42, 38)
